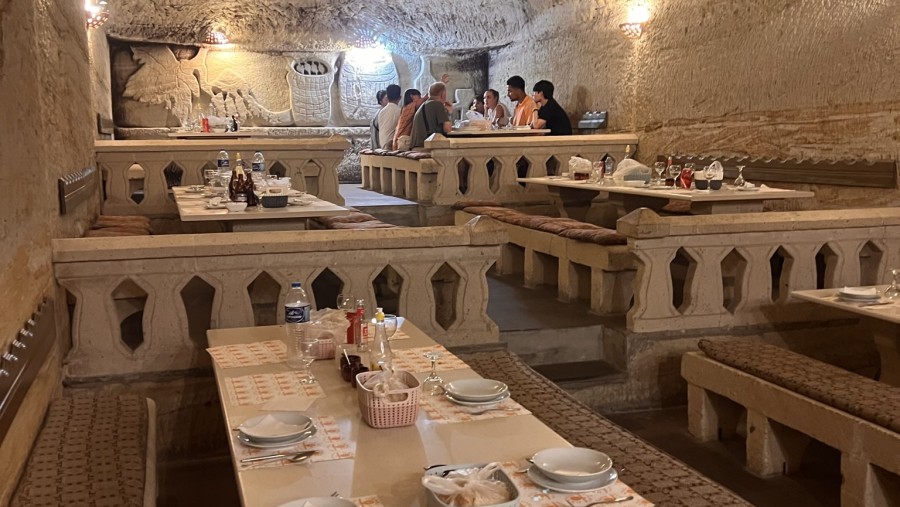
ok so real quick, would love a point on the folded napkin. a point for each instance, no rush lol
(288, 404)
(269, 427)
(859, 291)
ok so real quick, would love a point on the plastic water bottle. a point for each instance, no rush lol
(381, 355)
(259, 164)
(223, 162)
(296, 314)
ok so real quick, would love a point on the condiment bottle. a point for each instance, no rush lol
(381, 355)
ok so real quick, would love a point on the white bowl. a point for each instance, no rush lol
(572, 464)
(476, 389)
(236, 206)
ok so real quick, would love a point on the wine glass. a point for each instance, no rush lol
(307, 353)
(433, 384)
(659, 168)
(739, 181)
(390, 325)
(893, 290)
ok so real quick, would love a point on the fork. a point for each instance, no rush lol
(605, 502)
(483, 410)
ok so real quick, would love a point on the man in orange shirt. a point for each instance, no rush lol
(525, 106)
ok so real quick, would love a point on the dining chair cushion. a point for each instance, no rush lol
(600, 236)
(863, 397)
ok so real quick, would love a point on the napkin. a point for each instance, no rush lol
(291, 404)
(859, 291)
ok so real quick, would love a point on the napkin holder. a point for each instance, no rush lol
(380, 412)
(499, 475)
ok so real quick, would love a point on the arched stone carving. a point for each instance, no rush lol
(363, 73)
(310, 81)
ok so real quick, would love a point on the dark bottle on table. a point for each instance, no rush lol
(249, 187)
(236, 185)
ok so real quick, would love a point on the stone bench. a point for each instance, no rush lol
(790, 398)
(119, 225)
(93, 450)
(655, 475)
(583, 260)
(407, 174)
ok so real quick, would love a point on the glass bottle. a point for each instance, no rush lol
(381, 355)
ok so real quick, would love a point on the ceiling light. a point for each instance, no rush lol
(95, 13)
(638, 15)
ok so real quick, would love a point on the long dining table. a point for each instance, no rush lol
(387, 464)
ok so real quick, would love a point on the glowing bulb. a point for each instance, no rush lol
(638, 13)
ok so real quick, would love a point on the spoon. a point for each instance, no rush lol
(607, 501)
(298, 457)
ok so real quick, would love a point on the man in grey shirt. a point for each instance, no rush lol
(432, 117)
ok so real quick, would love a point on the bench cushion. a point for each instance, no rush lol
(90, 452)
(491, 211)
(473, 202)
(416, 155)
(863, 397)
(350, 218)
(372, 224)
(558, 225)
(655, 475)
(600, 236)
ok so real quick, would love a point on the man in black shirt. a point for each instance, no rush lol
(550, 114)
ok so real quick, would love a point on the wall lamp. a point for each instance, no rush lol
(215, 37)
(638, 15)
(95, 13)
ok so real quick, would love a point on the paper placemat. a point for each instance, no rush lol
(441, 410)
(328, 441)
(249, 354)
(257, 389)
(532, 495)
(413, 360)
(367, 501)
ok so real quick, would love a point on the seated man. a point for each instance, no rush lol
(381, 100)
(432, 116)
(549, 114)
(388, 117)
(515, 90)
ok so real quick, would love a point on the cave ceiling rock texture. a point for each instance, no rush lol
(402, 26)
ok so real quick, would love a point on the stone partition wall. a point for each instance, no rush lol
(45, 132)
(763, 78)
(142, 305)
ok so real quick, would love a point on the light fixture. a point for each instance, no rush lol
(638, 15)
(95, 13)
(215, 37)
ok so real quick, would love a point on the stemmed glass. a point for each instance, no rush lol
(307, 354)
(433, 384)
(739, 181)
(390, 325)
(893, 290)
(659, 168)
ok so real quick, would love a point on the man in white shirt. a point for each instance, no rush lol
(388, 118)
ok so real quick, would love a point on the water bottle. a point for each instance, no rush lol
(259, 164)
(296, 314)
(223, 161)
(381, 355)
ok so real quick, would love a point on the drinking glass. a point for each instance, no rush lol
(345, 303)
(893, 290)
(659, 168)
(390, 325)
(739, 181)
(307, 352)
(210, 175)
(433, 384)
(673, 174)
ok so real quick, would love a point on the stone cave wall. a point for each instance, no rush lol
(765, 78)
(156, 87)
(45, 132)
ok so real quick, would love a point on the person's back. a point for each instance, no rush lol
(432, 116)
(388, 117)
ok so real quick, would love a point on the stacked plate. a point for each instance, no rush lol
(859, 294)
(572, 469)
(476, 392)
(279, 429)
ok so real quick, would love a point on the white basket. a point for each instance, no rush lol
(383, 413)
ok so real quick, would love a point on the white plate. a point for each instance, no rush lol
(196, 189)
(215, 206)
(296, 201)
(578, 487)
(275, 445)
(747, 189)
(572, 465)
(465, 403)
(476, 389)
(635, 183)
(275, 427)
(320, 501)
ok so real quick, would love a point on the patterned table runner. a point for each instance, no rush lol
(257, 389)
(412, 360)
(532, 495)
(249, 354)
(441, 410)
(328, 441)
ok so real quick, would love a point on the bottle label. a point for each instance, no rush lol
(296, 314)
(258, 167)
(223, 163)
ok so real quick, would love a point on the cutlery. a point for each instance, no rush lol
(606, 502)
(293, 457)
(483, 410)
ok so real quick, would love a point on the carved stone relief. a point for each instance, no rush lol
(363, 73)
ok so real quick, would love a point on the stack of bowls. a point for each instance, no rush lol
(572, 469)
(275, 430)
(476, 392)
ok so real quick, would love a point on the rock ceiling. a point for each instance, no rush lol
(405, 26)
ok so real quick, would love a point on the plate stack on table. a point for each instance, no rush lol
(572, 469)
(859, 294)
(279, 429)
(476, 392)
